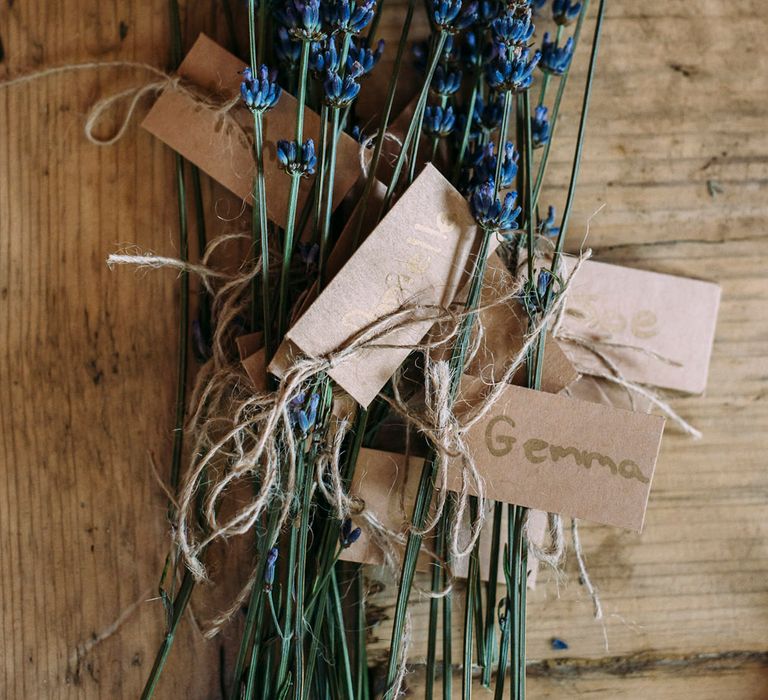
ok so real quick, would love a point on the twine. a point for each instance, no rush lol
(133, 94)
(365, 145)
(239, 435)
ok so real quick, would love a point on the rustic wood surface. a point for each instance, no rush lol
(677, 153)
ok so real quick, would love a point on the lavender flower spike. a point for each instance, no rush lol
(341, 92)
(260, 91)
(540, 127)
(348, 536)
(269, 568)
(511, 70)
(296, 159)
(564, 11)
(490, 213)
(555, 60)
(438, 121)
(366, 57)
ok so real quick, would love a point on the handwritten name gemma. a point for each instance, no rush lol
(500, 443)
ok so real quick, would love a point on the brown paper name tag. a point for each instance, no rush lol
(418, 254)
(673, 317)
(220, 148)
(579, 459)
(389, 491)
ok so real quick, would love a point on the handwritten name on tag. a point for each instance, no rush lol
(418, 254)
(220, 149)
(672, 318)
(580, 459)
(388, 487)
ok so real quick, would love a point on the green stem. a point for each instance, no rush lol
(469, 612)
(182, 596)
(326, 230)
(260, 237)
(250, 683)
(434, 609)
(553, 121)
(285, 653)
(361, 657)
(293, 197)
(516, 515)
(415, 122)
(426, 482)
(491, 592)
(467, 128)
(346, 666)
(251, 629)
(319, 184)
(523, 606)
(299, 617)
(527, 184)
(579, 145)
(181, 371)
(384, 121)
(179, 605)
(505, 115)
(447, 604)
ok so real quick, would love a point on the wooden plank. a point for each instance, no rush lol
(85, 385)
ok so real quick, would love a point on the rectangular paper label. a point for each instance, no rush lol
(388, 489)
(582, 460)
(671, 317)
(418, 254)
(221, 149)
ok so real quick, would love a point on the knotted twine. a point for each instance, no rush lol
(133, 95)
(241, 435)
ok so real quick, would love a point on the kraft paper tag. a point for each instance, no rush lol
(221, 149)
(249, 343)
(582, 460)
(255, 367)
(671, 317)
(418, 254)
(388, 489)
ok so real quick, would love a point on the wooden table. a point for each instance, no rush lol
(677, 156)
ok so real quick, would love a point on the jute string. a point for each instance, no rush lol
(239, 435)
(132, 95)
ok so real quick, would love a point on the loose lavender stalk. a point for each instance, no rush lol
(492, 216)
(297, 166)
(260, 93)
(556, 107)
(384, 121)
(469, 612)
(467, 127)
(339, 93)
(425, 489)
(415, 123)
(177, 604)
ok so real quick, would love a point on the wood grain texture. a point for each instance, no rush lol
(87, 378)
